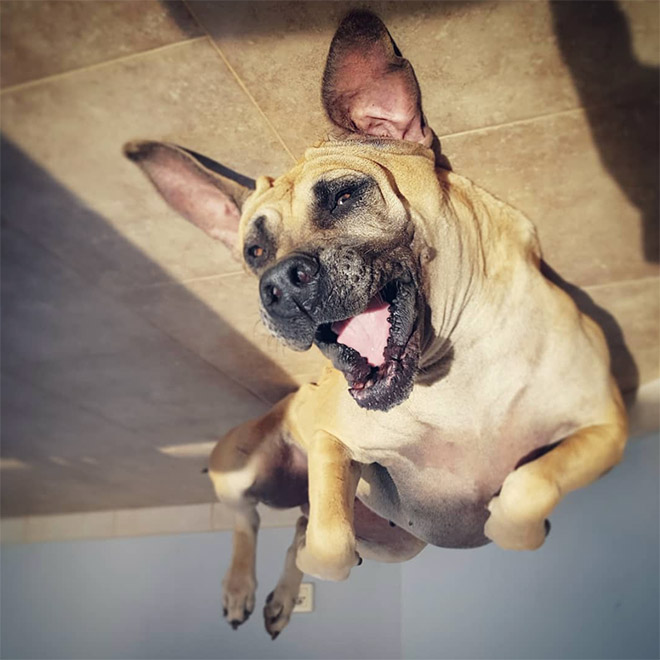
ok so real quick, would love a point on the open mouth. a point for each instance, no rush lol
(378, 349)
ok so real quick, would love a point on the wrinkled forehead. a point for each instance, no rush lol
(391, 165)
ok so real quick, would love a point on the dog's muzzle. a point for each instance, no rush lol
(373, 339)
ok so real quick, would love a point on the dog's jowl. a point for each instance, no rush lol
(452, 356)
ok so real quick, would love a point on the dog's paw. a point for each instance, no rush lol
(238, 599)
(278, 608)
(514, 535)
(527, 497)
(328, 561)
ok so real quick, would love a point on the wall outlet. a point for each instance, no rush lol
(305, 599)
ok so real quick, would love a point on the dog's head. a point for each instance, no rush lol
(339, 242)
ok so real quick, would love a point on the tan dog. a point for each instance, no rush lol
(458, 366)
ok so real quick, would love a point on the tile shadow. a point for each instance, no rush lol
(616, 90)
(290, 16)
(93, 380)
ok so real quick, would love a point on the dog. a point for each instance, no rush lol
(467, 393)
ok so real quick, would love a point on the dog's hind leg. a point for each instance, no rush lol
(233, 468)
(281, 600)
(253, 464)
(240, 583)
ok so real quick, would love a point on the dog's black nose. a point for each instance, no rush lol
(290, 287)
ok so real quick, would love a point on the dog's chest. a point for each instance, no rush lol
(446, 468)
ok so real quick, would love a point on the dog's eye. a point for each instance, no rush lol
(256, 255)
(342, 198)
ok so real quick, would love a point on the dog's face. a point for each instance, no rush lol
(333, 245)
(334, 242)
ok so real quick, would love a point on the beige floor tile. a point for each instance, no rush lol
(222, 517)
(49, 37)
(635, 307)
(50, 313)
(478, 63)
(99, 524)
(12, 530)
(67, 184)
(163, 520)
(158, 390)
(278, 517)
(644, 413)
(88, 423)
(588, 182)
(644, 24)
(80, 460)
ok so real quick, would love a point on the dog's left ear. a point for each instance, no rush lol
(368, 87)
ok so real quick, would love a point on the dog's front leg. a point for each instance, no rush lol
(329, 550)
(518, 515)
(282, 599)
(240, 582)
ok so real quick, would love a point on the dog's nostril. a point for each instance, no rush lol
(302, 272)
(301, 277)
(272, 295)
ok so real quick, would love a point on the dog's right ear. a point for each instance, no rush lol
(201, 190)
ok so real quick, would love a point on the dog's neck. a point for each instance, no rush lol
(481, 241)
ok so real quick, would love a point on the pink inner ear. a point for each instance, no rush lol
(196, 198)
(384, 110)
(380, 95)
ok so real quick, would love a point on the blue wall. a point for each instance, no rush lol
(590, 592)
(159, 597)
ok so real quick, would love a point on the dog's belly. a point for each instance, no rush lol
(380, 539)
(439, 491)
(449, 517)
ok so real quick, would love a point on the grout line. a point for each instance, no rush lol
(639, 280)
(189, 280)
(93, 67)
(515, 122)
(239, 80)
(555, 113)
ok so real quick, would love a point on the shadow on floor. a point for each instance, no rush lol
(616, 90)
(92, 388)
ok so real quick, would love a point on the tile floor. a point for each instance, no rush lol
(125, 330)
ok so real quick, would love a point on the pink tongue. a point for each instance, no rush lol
(368, 332)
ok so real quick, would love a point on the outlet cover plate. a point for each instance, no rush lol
(305, 599)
